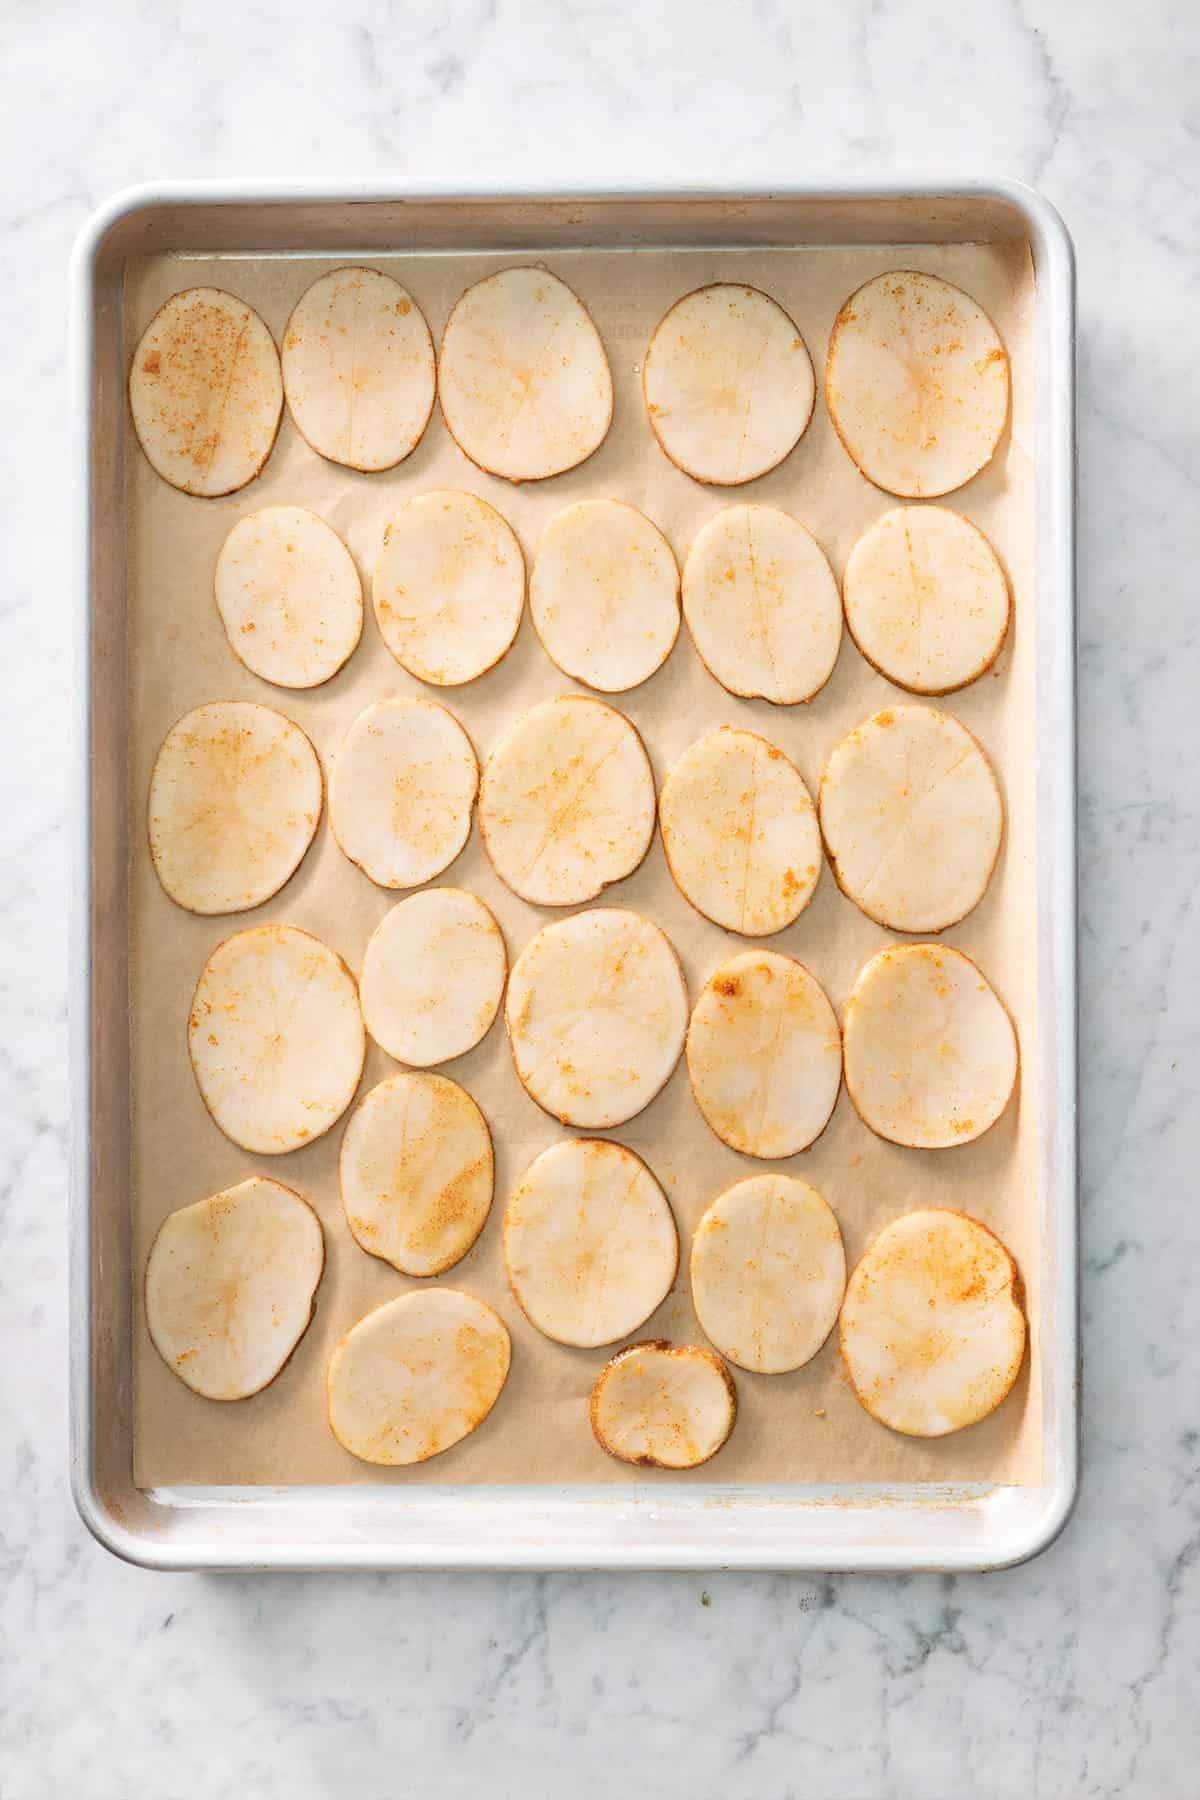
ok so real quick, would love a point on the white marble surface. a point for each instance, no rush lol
(1075, 1676)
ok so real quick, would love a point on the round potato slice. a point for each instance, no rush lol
(917, 383)
(664, 1406)
(764, 1054)
(416, 1376)
(401, 792)
(604, 594)
(589, 1242)
(931, 1054)
(230, 1284)
(566, 806)
(432, 977)
(596, 1012)
(762, 605)
(358, 369)
(276, 1038)
(289, 596)
(234, 802)
(911, 815)
(728, 383)
(740, 832)
(205, 392)
(524, 383)
(768, 1273)
(932, 1331)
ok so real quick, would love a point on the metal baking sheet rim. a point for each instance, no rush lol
(817, 1528)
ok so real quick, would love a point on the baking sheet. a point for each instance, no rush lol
(802, 1427)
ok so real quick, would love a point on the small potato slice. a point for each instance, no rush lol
(740, 832)
(589, 1242)
(911, 815)
(931, 1054)
(768, 1273)
(728, 383)
(932, 1331)
(276, 1038)
(566, 806)
(416, 1376)
(289, 596)
(926, 599)
(234, 802)
(432, 977)
(762, 605)
(664, 1406)
(604, 594)
(417, 1172)
(358, 369)
(917, 383)
(449, 587)
(764, 1054)
(596, 1013)
(205, 392)
(524, 383)
(401, 792)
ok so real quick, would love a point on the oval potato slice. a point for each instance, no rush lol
(401, 791)
(289, 596)
(432, 976)
(663, 1406)
(604, 594)
(932, 1331)
(205, 392)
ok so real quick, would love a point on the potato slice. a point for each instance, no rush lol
(664, 1406)
(596, 1013)
(566, 806)
(358, 369)
(432, 977)
(764, 1054)
(926, 599)
(276, 1038)
(728, 383)
(401, 792)
(917, 383)
(762, 605)
(589, 1242)
(604, 594)
(768, 1273)
(740, 832)
(416, 1376)
(932, 1331)
(289, 596)
(234, 802)
(205, 392)
(911, 815)
(524, 383)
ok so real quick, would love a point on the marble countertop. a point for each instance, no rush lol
(1074, 1676)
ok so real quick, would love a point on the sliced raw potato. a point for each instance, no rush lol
(604, 594)
(589, 1242)
(926, 599)
(234, 801)
(740, 832)
(931, 1054)
(449, 587)
(662, 1405)
(358, 369)
(768, 1273)
(276, 1038)
(401, 792)
(524, 382)
(729, 384)
(932, 1331)
(917, 383)
(289, 596)
(205, 392)
(432, 976)
(566, 805)
(416, 1376)
(596, 1012)
(762, 604)
(911, 816)
(764, 1054)
(230, 1284)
